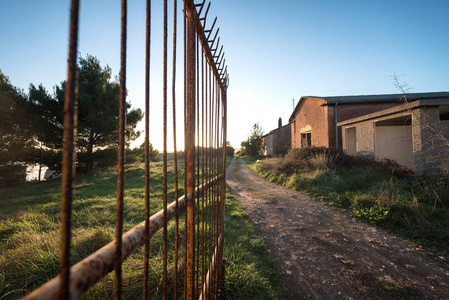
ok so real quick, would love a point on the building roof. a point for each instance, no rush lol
(398, 109)
(274, 130)
(382, 98)
(330, 100)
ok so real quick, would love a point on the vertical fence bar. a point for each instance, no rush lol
(211, 192)
(197, 154)
(203, 221)
(217, 260)
(217, 227)
(223, 182)
(67, 158)
(209, 173)
(190, 151)
(121, 158)
(164, 168)
(175, 154)
(185, 130)
(147, 150)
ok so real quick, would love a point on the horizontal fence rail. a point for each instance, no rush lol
(195, 267)
(90, 270)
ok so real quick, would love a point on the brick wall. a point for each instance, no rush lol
(283, 141)
(311, 115)
(277, 142)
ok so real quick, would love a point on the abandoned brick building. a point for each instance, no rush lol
(314, 119)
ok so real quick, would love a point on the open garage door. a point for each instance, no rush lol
(394, 141)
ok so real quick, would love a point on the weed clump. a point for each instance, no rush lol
(320, 158)
(301, 160)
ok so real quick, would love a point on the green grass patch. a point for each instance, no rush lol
(249, 159)
(397, 291)
(29, 236)
(378, 193)
(251, 273)
(236, 170)
(228, 160)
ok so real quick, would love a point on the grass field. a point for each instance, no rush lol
(29, 237)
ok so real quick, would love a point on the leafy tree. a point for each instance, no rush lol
(98, 110)
(253, 143)
(48, 126)
(48, 116)
(16, 130)
(139, 154)
(31, 126)
(229, 149)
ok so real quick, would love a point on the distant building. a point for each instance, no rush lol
(277, 142)
(314, 119)
(414, 134)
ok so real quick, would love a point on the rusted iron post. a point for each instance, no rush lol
(164, 166)
(190, 150)
(147, 150)
(197, 154)
(67, 156)
(185, 128)
(121, 159)
(175, 155)
(223, 184)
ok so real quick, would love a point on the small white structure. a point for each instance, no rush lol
(414, 134)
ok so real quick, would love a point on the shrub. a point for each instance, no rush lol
(320, 158)
(303, 160)
(324, 160)
(106, 157)
(229, 150)
(138, 154)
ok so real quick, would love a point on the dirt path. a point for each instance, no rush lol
(326, 254)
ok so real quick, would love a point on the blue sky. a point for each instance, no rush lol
(276, 51)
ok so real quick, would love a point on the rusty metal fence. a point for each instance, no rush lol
(198, 251)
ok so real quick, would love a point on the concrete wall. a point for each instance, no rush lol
(351, 141)
(431, 141)
(365, 140)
